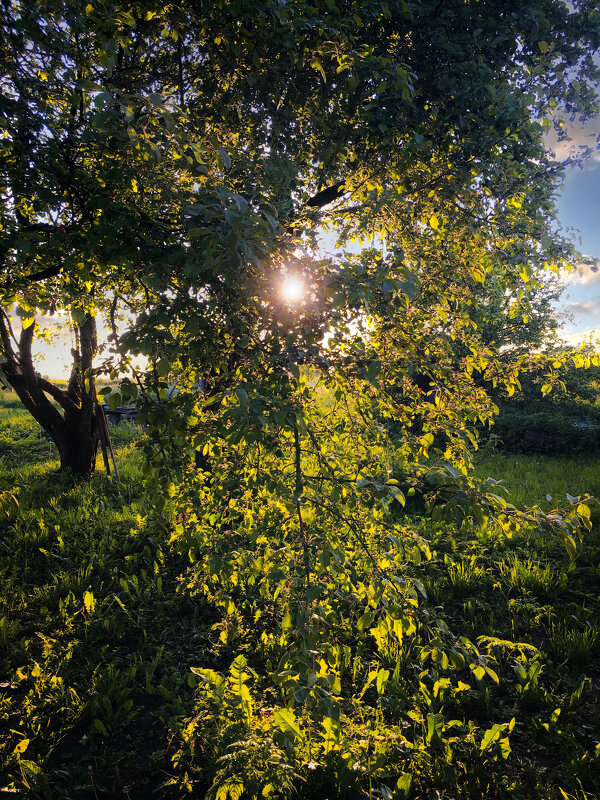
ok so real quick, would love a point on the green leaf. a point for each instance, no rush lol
(30, 769)
(410, 287)
(113, 400)
(78, 315)
(373, 370)
(331, 734)
(242, 395)
(100, 727)
(286, 721)
(232, 788)
(366, 620)
(89, 602)
(382, 679)
(224, 157)
(21, 747)
(316, 65)
(435, 725)
(491, 735)
(403, 786)
(163, 368)
(397, 494)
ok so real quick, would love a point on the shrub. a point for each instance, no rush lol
(557, 430)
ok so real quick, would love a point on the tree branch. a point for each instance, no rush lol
(326, 196)
(6, 333)
(49, 272)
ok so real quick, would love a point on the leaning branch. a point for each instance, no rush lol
(57, 394)
(49, 272)
(5, 337)
(328, 195)
(42, 275)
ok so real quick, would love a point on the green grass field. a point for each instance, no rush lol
(530, 479)
(99, 633)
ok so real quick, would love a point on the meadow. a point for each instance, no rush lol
(125, 673)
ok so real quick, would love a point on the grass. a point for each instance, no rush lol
(88, 604)
(100, 631)
(573, 641)
(527, 575)
(530, 479)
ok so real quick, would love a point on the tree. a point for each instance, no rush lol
(519, 321)
(166, 162)
(54, 196)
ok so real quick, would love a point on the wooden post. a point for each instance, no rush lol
(102, 436)
(106, 443)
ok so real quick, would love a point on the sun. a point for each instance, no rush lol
(292, 289)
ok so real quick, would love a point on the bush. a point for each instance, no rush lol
(550, 430)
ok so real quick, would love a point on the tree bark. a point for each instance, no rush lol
(75, 430)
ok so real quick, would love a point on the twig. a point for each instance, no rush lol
(298, 501)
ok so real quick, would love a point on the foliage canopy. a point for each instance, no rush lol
(171, 159)
(167, 162)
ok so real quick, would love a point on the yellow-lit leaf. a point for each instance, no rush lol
(21, 747)
(286, 720)
(89, 601)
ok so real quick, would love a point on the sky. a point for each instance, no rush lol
(578, 207)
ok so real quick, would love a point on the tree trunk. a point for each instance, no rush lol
(77, 443)
(75, 430)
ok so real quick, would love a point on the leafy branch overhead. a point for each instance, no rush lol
(168, 162)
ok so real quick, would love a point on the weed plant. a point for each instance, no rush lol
(529, 575)
(147, 655)
(573, 641)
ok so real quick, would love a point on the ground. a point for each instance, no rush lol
(99, 634)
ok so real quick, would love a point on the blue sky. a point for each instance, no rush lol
(579, 209)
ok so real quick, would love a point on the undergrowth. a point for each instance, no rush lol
(203, 655)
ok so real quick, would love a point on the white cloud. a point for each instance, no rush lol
(592, 335)
(581, 139)
(590, 307)
(585, 273)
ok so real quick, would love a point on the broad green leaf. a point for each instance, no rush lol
(382, 679)
(286, 720)
(163, 368)
(21, 747)
(113, 400)
(89, 602)
(331, 734)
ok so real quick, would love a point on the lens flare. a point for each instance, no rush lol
(292, 288)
